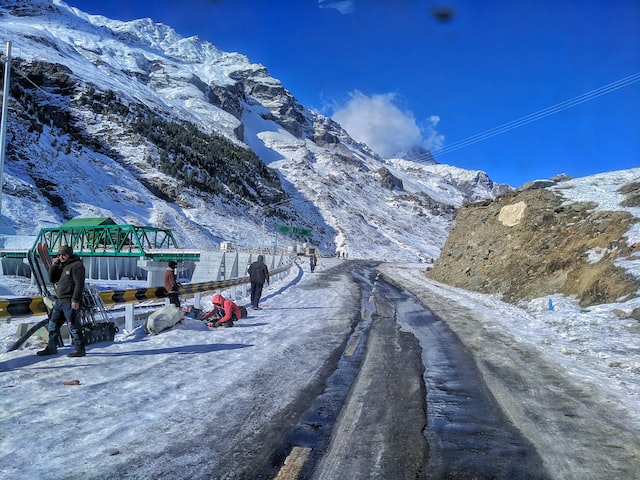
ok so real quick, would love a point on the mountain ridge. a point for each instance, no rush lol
(99, 82)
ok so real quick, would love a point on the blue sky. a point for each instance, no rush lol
(521, 89)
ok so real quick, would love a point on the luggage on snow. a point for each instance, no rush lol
(163, 319)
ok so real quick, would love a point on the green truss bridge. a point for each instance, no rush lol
(102, 237)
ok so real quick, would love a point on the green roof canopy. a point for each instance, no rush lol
(88, 222)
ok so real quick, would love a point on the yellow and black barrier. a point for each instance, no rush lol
(28, 306)
(22, 307)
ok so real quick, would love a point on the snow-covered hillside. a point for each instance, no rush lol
(81, 85)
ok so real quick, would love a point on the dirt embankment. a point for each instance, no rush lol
(526, 244)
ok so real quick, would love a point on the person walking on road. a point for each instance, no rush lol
(313, 261)
(258, 274)
(171, 284)
(67, 273)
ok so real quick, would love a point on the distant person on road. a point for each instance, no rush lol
(223, 314)
(313, 261)
(171, 284)
(67, 273)
(258, 274)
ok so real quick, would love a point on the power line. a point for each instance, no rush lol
(598, 92)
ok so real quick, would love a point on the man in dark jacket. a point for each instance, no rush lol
(258, 274)
(67, 273)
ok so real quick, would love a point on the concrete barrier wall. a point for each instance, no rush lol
(99, 268)
(14, 266)
(216, 266)
(113, 268)
(213, 266)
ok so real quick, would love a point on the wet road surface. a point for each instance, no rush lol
(469, 436)
(407, 402)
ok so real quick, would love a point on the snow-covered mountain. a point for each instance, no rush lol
(132, 121)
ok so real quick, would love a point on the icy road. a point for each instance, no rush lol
(345, 374)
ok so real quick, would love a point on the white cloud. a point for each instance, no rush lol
(343, 6)
(432, 139)
(379, 123)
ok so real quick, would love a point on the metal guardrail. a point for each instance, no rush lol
(29, 306)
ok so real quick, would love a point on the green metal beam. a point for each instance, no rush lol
(106, 240)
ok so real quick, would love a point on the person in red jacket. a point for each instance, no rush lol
(225, 310)
(171, 285)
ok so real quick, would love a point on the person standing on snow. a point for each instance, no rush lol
(227, 311)
(258, 274)
(67, 273)
(171, 284)
(313, 261)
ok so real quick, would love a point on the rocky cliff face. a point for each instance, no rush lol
(531, 243)
(178, 134)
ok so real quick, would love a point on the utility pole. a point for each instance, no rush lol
(3, 125)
